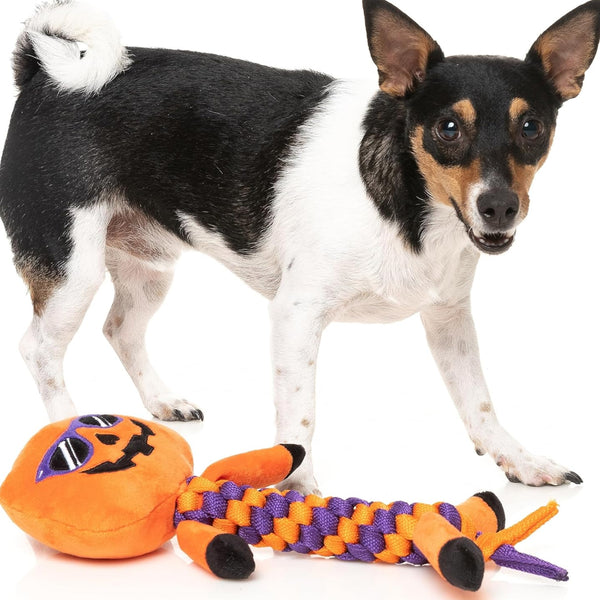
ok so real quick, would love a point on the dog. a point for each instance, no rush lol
(334, 199)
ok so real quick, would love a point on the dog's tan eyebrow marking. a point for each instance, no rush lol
(518, 107)
(465, 110)
(522, 176)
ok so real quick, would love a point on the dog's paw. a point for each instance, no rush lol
(174, 409)
(535, 470)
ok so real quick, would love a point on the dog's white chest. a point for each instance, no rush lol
(409, 283)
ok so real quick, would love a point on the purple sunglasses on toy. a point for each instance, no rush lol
(71, 451)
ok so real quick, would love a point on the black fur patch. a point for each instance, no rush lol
(177, 132)
(24, 61)
(389, 170)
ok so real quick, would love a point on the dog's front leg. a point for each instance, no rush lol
(297, 322)
(453, 342)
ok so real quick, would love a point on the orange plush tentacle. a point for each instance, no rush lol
(483, 513)
(259, 468)
(454, 556)
(223, 554)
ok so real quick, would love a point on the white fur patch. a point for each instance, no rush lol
(260, 270)
(54, 31)
(475, 190)
(44, 345)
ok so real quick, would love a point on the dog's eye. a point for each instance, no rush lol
(532, 129)
(448, 130)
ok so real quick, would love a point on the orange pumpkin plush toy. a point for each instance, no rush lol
(107, 486)
(80, 486)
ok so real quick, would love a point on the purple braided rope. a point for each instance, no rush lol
(325, 522)
(508, 556)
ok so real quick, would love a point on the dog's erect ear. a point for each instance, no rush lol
(566, 50)
(401, 50)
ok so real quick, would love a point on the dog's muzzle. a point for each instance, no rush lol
(497, 214)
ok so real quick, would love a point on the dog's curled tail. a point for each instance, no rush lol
(50, 41)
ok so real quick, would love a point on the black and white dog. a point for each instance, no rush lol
(334, 200)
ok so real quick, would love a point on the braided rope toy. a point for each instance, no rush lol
(107, 486)
(455, 540)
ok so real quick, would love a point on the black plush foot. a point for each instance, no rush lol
(494, 503)
(229, 557)
(298, 453)
(461, 563)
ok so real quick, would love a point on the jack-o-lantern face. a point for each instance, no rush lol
(73, 450)
(101, 486)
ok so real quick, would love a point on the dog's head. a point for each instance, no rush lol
(480, 127)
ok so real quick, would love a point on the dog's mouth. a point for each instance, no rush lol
(490, 243)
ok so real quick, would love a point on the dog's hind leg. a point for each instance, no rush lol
(61, 297)
(140, 288)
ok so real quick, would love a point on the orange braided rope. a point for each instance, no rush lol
(490, 542)
(348, 529)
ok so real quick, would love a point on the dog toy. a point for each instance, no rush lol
(107, 486)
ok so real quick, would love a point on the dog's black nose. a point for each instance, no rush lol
(498, 208)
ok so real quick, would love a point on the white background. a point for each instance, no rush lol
(386, 429)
